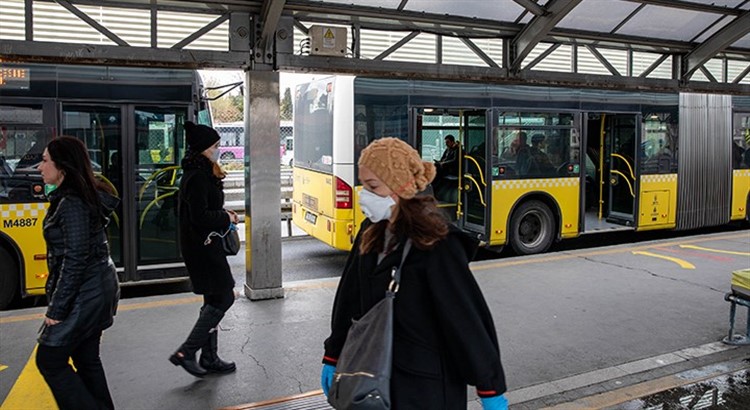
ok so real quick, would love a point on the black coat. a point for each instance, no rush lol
(444, 336)
(201, 211)
(82, 287)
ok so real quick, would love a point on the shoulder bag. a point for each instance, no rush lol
(230, 240)
(363, 372)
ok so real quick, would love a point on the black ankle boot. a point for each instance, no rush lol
(189, 364)
(210, 359)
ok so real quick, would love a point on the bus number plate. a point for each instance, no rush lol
(311, 217)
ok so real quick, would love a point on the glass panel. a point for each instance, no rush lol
(159, 148)
(622, 133)
(100, 128)
(494, 10)
(741, 141)
(374, 117)
(667, 23)
(659, 143)
(474, 170)
(535, 145)
(313, 124)
(598, 15)
(21, 147)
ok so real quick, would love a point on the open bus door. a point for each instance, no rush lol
(611, 149)
(463, 191)
(473, 173)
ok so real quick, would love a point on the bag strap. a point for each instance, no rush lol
(396, 272)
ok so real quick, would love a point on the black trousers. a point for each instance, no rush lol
(86, 388)
(222, 301)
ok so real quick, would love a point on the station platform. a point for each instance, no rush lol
(592, 328)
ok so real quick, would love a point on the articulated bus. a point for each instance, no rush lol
(131, 120)
(538, 164)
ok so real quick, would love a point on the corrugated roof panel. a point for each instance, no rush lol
(456, 52)
(173, 27)
(598, 15)
(588, 64)
(52, 22)
(715, 66)
(12, 26)
(503, 10)
(558, 60)
(667, 23)
(735, 68)
(420, 49)
(642, 61)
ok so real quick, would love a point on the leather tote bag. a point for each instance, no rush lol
(363, 372)
(230, 240)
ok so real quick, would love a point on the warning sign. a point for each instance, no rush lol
(329, 39)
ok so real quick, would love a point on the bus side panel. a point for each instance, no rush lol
(314, 210)
(658, 202)
(23, 223)
(740, 192)
(506, 193)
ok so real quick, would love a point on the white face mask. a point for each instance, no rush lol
(375, 207)
(215, 156)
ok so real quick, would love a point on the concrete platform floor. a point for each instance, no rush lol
(566, 322)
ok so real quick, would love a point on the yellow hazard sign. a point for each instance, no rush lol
(329, 39)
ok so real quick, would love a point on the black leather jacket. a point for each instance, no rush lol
(82, 287)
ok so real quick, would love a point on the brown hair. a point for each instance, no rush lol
(416, 218)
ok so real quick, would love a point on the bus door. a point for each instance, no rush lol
(433, 128)
(135, 150)
(473, 174)
(611, 152)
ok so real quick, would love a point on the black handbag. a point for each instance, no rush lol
(230, 240)
(363, 372)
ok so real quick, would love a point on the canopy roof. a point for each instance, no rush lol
(700, 44)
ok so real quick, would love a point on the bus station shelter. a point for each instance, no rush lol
(686, 46)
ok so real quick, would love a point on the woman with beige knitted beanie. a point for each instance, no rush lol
(443, 335)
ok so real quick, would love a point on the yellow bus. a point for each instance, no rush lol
(538, 164)
(131, 120)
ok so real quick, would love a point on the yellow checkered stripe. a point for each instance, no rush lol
(34, 210)
(742, 172)
(659, 178)
(526, 184)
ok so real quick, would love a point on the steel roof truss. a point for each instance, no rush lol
(396, 46)
(708, 74)
(654, 65)
(481, 54)
(203, 30)
(91, 22)
(538, 28)
(542, 56)
(269, 19)
(603, 60)
(742, 75)
(532, 7)
(716, 43)
(689, 5)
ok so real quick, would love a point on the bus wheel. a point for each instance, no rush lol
(8, 279)
(532, 228)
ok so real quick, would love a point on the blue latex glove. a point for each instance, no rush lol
(326, 377)
(495, 403)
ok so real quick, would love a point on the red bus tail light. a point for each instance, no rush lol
(343, 195)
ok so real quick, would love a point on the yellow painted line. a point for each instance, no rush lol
(683, 263)
(555, 258)
(30, 390)
(700, 248)
(639, 390)
(3, 367)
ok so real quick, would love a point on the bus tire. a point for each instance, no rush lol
(8, 279)
(532, 228)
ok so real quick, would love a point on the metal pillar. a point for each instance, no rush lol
(262, 176)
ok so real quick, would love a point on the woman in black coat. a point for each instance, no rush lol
(443, 336)
(201, 213)
(82, 287)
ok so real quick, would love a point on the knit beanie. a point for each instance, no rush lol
(398, 165)
(199, 137)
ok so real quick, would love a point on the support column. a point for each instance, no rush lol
(262, 186)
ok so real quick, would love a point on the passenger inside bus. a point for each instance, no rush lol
(446, 180)
(540, 163)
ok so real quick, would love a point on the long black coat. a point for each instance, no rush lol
(444, 336)
(201, 211)
(82, 287)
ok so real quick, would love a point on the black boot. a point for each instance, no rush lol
(185, 356)
(210, 359)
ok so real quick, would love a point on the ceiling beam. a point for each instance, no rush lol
(538, 28)
(93, 23)
(689, 5)
(532, 7)
(269, 15)
(728, 34)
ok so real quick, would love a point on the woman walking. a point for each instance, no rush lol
(443, 334)
(201, 212)
(82, 287)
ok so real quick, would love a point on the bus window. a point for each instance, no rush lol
(313, 124)
(741, 141)
(659, 143)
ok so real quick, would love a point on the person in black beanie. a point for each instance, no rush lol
(201, 212)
